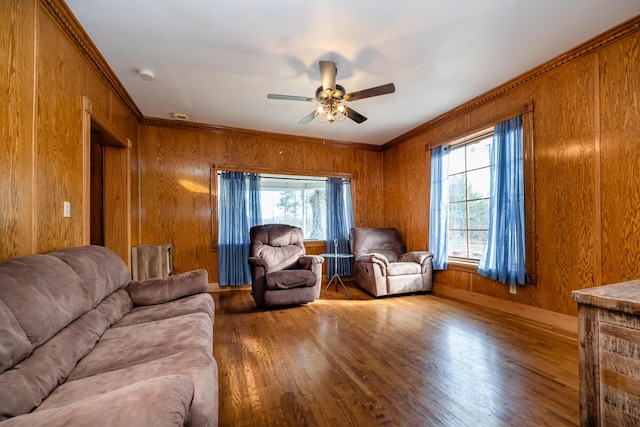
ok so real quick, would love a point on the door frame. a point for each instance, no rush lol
(116, 182)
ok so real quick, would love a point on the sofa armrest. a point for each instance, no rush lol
(158, 401)
(416, 256)
(158, 291)
(308, 261)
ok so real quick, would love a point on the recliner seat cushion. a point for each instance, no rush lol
(287, 279)
(403, 268)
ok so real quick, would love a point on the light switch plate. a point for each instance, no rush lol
(67, 209)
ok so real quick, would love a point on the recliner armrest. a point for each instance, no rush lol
(416, 256)
(374, 258)
(257, 262)
(307, 261)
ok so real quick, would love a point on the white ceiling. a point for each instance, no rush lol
(217, 60)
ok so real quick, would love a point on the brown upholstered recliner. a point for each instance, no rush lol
(384, 267)
(281, 273)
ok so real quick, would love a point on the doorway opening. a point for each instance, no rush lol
(107, 184)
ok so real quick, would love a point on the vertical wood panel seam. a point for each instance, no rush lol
(139, 183)
(597, 262)
(34, 131)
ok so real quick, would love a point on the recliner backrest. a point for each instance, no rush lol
(279, 245)
(385, 241)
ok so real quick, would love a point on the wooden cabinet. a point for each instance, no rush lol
(151, 261)
(609, 334)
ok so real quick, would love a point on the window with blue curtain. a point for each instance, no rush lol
(339, 222)
(239, 210)
(439, 214)
(504, 255)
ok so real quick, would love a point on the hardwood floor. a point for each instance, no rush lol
(417, 360)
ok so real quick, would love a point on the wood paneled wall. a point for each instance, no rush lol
(587, 154)
(587, 185)
(16, 133)
(175, 172)
(44, 76)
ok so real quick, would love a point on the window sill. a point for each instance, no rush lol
(470, 266)
(315, 243)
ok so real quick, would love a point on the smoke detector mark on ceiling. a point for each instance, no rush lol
(146, 75)
(180, 116)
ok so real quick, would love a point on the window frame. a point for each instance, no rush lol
(213, 189)
(461, 136)
(300, 178)
(475, 137)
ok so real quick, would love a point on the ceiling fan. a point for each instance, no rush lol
(331, 98)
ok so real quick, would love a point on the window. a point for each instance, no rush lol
(295, 200)
(469, 186)
(500, 239)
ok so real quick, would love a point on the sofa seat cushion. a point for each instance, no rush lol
(162, 401)
(402, 268)
(201, 303)
(199, 365)
(132, 345)
(287, 279)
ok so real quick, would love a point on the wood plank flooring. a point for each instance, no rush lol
(417, 360)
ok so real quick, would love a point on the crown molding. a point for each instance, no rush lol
(154, 121)
(63, 16)
(605, 39)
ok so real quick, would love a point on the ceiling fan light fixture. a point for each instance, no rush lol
(331, 99)
(331, 111)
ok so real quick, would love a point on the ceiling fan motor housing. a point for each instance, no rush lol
(330, 93)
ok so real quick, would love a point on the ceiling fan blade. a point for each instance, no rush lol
(290, 97)
(355, 116)
(308, 118)
(368, 93)
(328, 72)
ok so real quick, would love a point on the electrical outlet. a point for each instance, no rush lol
(67, 209)
(513, 289)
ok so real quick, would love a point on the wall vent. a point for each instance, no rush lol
(180, 116)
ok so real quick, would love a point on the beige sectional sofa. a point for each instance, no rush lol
(82, 344)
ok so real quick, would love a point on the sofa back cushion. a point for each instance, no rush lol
(47, 319)
(101, 270)
(279, 245)
(23, 387)
(14, 344)
(43, 294)
(368, 240)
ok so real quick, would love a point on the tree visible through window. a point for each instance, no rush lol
(469, 186)
(295, 200)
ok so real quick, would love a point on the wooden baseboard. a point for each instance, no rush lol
(561, 321)
(215, 287)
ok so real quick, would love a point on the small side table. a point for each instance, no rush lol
(336, 276)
